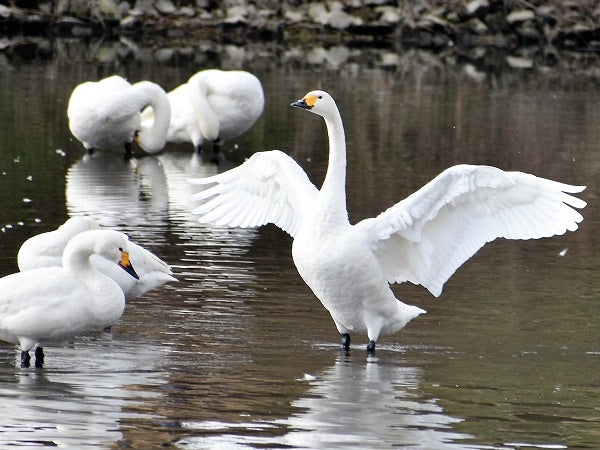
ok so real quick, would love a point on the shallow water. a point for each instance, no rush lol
(238, 353)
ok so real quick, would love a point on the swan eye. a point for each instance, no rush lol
(320, 97)
(120, 249)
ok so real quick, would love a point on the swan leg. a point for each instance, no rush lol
(39, 357)
(216, 145)
(25, 358)
(371, 347)
(346, 341)
(128, 150)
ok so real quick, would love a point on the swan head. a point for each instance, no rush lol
(108, 244)
(318, 102)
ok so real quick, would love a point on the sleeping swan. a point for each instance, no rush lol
(213, 105)
(51, 304)
(423, 239)
(46, 250)
(106, 113)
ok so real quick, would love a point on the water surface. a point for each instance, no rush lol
(239, 353)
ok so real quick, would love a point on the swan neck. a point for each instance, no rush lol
(153, 138)
(108, 299)
(335, 180)
(205, 115)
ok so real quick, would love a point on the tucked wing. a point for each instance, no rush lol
(270, 187)
(425, 238)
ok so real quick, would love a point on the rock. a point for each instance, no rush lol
(388, 14)
(165, 7)
(474, 5)
(518, 62)
(520, 16)
(5, 12)
(341, 20)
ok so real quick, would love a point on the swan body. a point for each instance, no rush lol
(106, 113)
(50, 304)
(46, 250)
(213, 105)
(423, 239)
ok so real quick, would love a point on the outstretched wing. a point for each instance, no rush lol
(426, 237)
(270, 187)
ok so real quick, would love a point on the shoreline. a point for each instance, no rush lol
(506, 26)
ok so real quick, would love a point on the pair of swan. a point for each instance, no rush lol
(50, 304)
(106, 113)
(423, 239)
(46, 250)
(213, 105)
(71, 280)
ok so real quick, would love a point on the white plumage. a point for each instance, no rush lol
(50, 304)
(422, 239)
(46, 250)
(213, 105)
(106, 113)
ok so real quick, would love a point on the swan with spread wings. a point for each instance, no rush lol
(423, 239)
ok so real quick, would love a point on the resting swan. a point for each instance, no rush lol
(106, 113)
(46, 250)
(423, 239)
(213, 105)
(51, 304)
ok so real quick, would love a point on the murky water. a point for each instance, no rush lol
(239, 354)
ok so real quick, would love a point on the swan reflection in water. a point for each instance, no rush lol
(115, 191)
(149, 198)
(352, 404)
(83, 407)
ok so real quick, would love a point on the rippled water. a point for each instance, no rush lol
(238, 353)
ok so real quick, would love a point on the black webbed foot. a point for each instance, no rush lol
(25, 359)
(346, 341)
(371, 347)
(39, 357)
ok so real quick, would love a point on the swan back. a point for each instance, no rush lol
(46, 249)
(227, 103)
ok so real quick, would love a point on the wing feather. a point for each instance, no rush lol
(426, 237)
(270, 187)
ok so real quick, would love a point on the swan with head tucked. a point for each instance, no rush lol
(423, 239)
(50, 304)
(106, 113)
(46, 250)
(213, 105)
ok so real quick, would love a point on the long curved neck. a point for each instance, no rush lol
(206, 116)
(107, 296)
(152, 139)
(333, 190)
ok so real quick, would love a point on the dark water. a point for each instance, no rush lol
(239, 354)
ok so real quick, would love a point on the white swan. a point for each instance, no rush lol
(106, 113)
(50, 304)
(422, 239)
(214, 105)
(46, 250)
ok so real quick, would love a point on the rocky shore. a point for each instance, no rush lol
(484, 36)
(432, 24)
